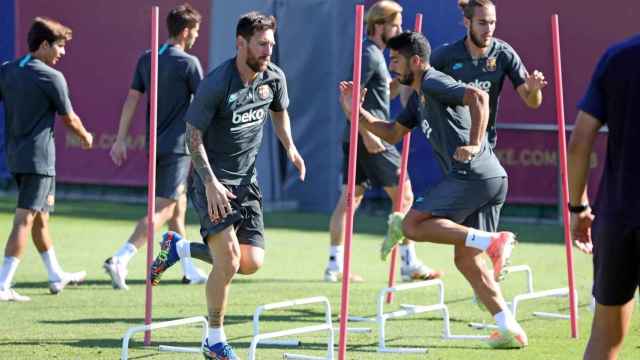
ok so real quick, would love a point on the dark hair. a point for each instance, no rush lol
(411, 43)
(181, 17)
(468, 7)
(45, 29)
(252, 22)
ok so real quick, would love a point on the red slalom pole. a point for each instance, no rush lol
(151, 198)
(562, 149)
(353, 155)
(406, 142)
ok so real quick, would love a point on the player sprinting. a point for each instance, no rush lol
(179, 75)
(32, 92)
(224, 131)
(463, 209)
(378, 162)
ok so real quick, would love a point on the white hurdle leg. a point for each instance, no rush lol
(161, 325)
(530, 294)
(407, 310)
(265, 338)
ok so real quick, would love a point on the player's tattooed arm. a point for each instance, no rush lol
(199, 154)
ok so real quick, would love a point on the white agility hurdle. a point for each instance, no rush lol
(408, 310)
(530, 294)
(265, 338)
(161, 325)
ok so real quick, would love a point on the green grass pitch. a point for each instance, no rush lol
(88, 322)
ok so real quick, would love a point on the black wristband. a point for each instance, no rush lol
(577, 208)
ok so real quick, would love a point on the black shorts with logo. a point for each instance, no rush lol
(616, 261)
(36, 192)
(380, 170)
(245, 216)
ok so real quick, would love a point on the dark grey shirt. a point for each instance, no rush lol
(231, 117)
(446, 123)
(375, 78)
(179, 75)
(486, 73)
(32, 92)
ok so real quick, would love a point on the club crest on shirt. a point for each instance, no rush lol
(264, 92)
(491, 64)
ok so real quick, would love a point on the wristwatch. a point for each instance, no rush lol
(576, 209)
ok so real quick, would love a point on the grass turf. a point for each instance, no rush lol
(88, 322)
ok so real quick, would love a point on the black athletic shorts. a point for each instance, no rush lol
(245, 216)
(380, 170)
(36, 192)
(171, 175)
(473, 203)
(616, 261)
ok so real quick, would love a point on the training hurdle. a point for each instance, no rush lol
(408, 310)
(265, 338)
(530, 294)
(161, 325)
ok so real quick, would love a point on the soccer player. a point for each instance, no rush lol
(611, 99)
(32, 93)
(224, 132)
(463, 208)
(378, 162)
(483, 61)
(179, 75)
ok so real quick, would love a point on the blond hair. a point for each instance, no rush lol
(381, 12)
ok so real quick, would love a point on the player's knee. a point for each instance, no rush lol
(24, 218)
(250, 265)
(227, 263)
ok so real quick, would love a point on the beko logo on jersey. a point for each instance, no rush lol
(249, 116)
(482, 85)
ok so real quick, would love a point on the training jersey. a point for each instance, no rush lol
(446, 122)
(32, 93)
(374, 77)
(231, 117)
(612, 97)
(486, 73)
(179, 75)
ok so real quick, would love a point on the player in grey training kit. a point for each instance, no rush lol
(179, 75)
(224, 132)
(378, 162)
(463, 208)
(32, 93)
(483, 61)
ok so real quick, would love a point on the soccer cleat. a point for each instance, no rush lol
(117, 272)
(167, 257)
(418, 271)
(508, 339)
(198, 278)
(394, 234)
(499, 251)
(331, 275)
(12, 295)
(219, 351)
(55, 287)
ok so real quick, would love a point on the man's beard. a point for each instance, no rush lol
(406, 79)
(254, 63)
(476, 40)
